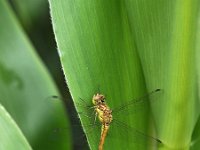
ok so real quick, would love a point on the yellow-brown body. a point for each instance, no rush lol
(104, 114)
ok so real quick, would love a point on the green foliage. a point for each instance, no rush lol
(8, 129)
(29, 10)
(128, 48)
(25, 85)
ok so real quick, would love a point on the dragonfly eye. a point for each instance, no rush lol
(102, 101)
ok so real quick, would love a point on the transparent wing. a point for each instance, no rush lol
(136, 104)
(127, 135)
(138, 134)
(86, 109)
(79, 136)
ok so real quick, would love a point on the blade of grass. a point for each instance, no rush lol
(25, 84)
(11, 137)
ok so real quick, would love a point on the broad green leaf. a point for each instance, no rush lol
(25, 86)
(128, 48)
(97, 51)
(11, 137)
(166, 37)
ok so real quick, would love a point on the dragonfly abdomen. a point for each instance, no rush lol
(104, 131)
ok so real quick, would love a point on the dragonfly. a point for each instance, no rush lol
(105, 115)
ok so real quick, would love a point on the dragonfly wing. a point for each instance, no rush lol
(136, 104)
(132, 135)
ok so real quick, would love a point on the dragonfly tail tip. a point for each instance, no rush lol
(157, 90)
(159, 141)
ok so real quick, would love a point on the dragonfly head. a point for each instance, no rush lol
(98, 99)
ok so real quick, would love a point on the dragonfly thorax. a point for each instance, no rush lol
(103, 112)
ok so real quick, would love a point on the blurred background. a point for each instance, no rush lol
(34, 17)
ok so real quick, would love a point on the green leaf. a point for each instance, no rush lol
(11, 137)
(128, 48)
(25, 86)
(167, 53)
(96, 50)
